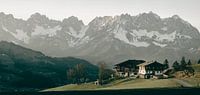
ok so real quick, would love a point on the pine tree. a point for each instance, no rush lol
(199, 61)
(189, 63)
(183, 63)
(175, 66)
(166, 64)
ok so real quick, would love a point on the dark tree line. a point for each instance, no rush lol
(182, 65)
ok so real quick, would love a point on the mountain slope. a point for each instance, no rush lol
(111, 39)
(25, 69)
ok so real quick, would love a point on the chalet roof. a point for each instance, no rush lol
(130, 62)
(149, 63)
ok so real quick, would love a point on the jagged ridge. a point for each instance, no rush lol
(111, 39)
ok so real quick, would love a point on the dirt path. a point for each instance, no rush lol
(183, 83)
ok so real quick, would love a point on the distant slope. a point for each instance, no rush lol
(25, 69)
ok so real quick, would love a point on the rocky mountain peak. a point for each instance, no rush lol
(73, 22)
(101, 20)
(38, 19)
(2, 14)
(176, 17)
(125, 16)
(149, 16)
(38, 16)
(6, 16)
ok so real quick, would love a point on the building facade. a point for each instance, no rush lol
(140, 68)
(128, 68)
(151, 69)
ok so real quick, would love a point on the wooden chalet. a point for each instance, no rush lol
(128, 68)
(152, 69)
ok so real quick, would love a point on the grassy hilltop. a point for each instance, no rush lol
(121, 84)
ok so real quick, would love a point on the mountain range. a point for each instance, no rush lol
(110, 38)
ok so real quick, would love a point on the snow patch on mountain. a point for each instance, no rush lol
(164, 37)
(183, 36)
(157, 36)
(4, 28)
(21, 35)
(164, 28)
(77, 34)
(83, 40)
(137, 36)
(160, 45)
(83, 31)
(139, 43)
(121, 35)
(50, 32)
(78, 42)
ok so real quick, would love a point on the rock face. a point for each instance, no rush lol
(110, 39)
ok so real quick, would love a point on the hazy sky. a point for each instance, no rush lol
(87, 10)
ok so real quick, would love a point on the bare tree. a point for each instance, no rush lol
(77, 74)
(71, 75)
(101, 72)
(80, 73)
(104, 73)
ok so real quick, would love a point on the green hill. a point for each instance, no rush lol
(121, 84)
(26, 69)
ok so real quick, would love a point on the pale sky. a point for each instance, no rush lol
(87, 10)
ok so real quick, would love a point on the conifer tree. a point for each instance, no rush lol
(199, 61)
(176, 66)
(189, 63)
(166, 64)
(183, 63)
